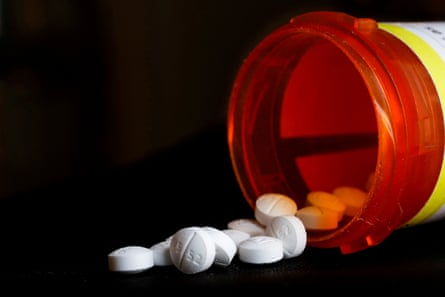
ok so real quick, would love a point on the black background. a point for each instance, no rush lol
(56, 239)
(113, 134)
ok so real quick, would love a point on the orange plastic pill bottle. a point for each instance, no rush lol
(327, 100)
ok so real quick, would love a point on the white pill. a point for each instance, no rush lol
(270, 205)
(291, 230)
(192, 250)
(225, 247)
(161, 253)
(353, 198)
(261, 249)
(328, 201)
(250, 226)
(236, 235)
(130, 259)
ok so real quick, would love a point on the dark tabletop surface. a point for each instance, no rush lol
(56, 239)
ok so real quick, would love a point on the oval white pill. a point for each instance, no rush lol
(237, 235)
(315, 218)
(250, 226)
(225, 247)
(328, 201)
(270, 205)
(291, 230)
(261, 249)
(130, 259)
(192, 250)
(161, 253)
(353, 198)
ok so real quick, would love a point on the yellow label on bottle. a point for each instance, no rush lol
(427, 40)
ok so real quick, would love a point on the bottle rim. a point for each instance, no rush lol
(358, 41)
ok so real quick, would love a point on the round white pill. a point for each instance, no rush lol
(161, 253)
(291, 231)
(192, 250)
(261, 249)
(250, 226)
(130, 259)
(270, 205)
(225, 247)
(237, 235)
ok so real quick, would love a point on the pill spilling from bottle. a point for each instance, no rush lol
(277, 231)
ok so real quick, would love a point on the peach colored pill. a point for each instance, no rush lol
(316, 218)
(353, 198)
(327, 201)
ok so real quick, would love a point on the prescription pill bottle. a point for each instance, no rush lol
(329, 99)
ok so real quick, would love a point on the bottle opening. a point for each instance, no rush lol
(327, 130)
(309, 122)
(316, 107)
(327, 127)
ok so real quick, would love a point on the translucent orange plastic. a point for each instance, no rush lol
(327, 100)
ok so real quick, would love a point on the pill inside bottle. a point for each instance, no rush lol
(329, 100)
